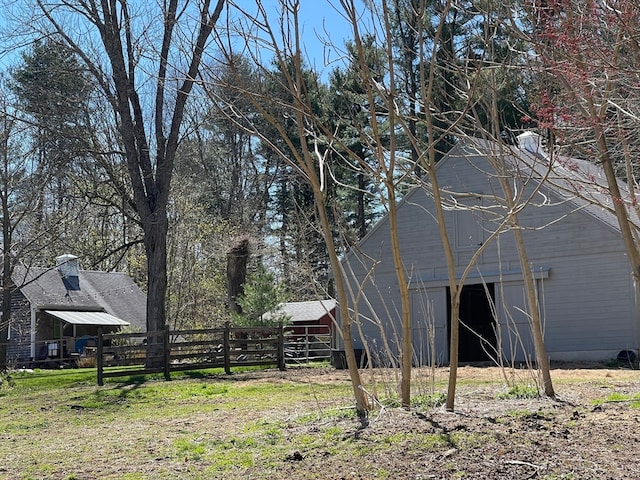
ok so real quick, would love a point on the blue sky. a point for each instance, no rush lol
(320, 19)
(321, 25)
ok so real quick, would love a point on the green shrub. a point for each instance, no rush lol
(520, 391)
(431, 400)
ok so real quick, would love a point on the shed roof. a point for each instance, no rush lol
(309, 311)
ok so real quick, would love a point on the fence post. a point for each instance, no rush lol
(281, 364)
(167, 353)
(227, 348)
(99, 363)
(306, 343)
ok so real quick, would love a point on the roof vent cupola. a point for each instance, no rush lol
(67, 265)
(533, 143)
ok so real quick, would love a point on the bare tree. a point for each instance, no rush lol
(513, 198)
(196, 250)
(304, 152)
(121, 43)
(401, 140)
(23, 236)
(587, 58)
(475, 108)
(394, 167)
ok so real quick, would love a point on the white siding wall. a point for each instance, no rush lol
(515, 331)
(429, 316)
(587, 301)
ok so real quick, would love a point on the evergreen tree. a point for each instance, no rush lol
(54, 90)
(293, 215)
(261, 300)
(234, 180)
(82, 199)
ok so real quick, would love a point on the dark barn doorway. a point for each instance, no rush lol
(478, 327)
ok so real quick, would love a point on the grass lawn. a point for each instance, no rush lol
(59, 424)
(301, 424)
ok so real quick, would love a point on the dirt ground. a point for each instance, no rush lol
(572, 437)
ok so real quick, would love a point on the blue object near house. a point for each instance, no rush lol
(82, 342)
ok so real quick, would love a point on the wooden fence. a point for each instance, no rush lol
(307, 343)
(169, 351)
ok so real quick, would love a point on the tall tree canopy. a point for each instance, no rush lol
(120, 44)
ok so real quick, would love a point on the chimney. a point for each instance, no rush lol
(532, 143)
(67, 265)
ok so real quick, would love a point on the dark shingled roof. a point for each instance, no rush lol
(112, 292)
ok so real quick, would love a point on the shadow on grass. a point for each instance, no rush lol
(133, 380)
(119, 392)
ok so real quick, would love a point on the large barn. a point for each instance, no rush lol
(585, 288)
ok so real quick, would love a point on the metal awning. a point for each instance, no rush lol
(88, 318)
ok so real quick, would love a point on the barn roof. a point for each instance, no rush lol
(580, 182)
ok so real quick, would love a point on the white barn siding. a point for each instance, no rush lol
(515, 330)
(586, 290)
(589, 307)
(429, 316)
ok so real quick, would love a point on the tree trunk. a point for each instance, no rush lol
(5, 322)
(454, 340)
(237, 259)
(504, 178)
(542, 360)
(362, 404)
(535, 321)
(534, 310)
(453, 286)
(155, 244)
(406, 354)
(7, 282)
(361, 215)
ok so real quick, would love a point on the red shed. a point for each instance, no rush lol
(316, 315)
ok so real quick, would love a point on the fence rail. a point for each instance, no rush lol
(166, 351)
(169, 351)
(307, 343)
(227, 347)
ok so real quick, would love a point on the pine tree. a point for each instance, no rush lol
(261, 300)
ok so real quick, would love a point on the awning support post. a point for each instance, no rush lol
(99, 362)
